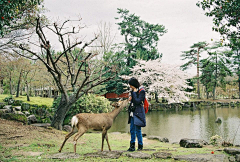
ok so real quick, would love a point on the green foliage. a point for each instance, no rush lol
(18, 117)
(215, 68)
(12, 11)
(215, 140)
(141, 40)
(141, 37)
(89, 103)
(193, 54)
(226, 15)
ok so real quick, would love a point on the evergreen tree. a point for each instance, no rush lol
(141, 40)
(207, 76)
(226, 15)
(193, 56)
(235, 46)
(219, 62)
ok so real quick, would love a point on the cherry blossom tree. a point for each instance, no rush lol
(168, 81)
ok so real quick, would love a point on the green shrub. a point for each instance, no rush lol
(89, 103)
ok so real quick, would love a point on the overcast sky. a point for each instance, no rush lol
(185, 22)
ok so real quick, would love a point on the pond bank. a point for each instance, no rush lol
(196, 104)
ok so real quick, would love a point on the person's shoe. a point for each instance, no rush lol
(140, 147)
(132, 147)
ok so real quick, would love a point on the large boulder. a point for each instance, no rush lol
(32, 119)
(17, 108)
(192, 143)
(67, 128)
(8, 107)
(17, 117)
(232, 151)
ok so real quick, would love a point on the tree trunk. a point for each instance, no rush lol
(61, 112)
(198, 82)
(214, 89)
(18, 85)
(156, 97)
(28, 98)
(239, 87)
(10, 85)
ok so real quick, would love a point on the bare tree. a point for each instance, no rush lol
(74, 73)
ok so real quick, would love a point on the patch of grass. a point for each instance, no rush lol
(33, 100)
(2, 96)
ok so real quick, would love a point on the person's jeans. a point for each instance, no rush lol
(135, 130)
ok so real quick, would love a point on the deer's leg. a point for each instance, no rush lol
(108, 142)
(66, 138)
(104, 132)
(77, 136)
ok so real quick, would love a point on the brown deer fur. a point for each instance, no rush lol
(101, 122)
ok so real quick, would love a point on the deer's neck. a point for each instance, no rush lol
(115, 112)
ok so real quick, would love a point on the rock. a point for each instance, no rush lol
(237, 158)
(192, 143)
(17, 108)
(158, 138)
(9, 107)
(202, 157)
(18, 112)
(219, 120)
(45, 125)
(32, 119)
(64, 155)
(17, 117)
(232, 159)
(232, 151)
(3, 111)
(2, 105)
(26, 113)
(67, 128)
(105, 154)
(139, 154)
(162, 155)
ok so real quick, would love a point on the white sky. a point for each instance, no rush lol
(185, 22)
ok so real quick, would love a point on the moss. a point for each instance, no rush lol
(18, 117)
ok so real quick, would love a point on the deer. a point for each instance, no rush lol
(100, 122)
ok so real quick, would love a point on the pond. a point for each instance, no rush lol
(199, 124)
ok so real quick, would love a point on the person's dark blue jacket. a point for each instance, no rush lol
(138, 113)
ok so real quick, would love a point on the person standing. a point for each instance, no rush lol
(136, 114)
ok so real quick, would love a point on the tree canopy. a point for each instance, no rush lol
(17, 14)
(226, 15)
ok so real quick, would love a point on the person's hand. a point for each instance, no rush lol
(135, 90)
(130, 98)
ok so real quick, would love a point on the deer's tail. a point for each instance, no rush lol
(74, 121)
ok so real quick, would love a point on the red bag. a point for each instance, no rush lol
(146, 103)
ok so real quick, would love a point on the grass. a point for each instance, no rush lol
(33, 100)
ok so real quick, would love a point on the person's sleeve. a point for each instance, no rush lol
(138, 100)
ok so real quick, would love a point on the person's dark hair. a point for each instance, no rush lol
(134, 82)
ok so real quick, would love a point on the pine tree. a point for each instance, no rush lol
(219, 62)
(193, 56)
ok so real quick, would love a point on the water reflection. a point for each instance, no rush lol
(198, 124)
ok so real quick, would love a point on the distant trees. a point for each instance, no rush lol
(235, 58)
(215, 68)
(226, 21)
